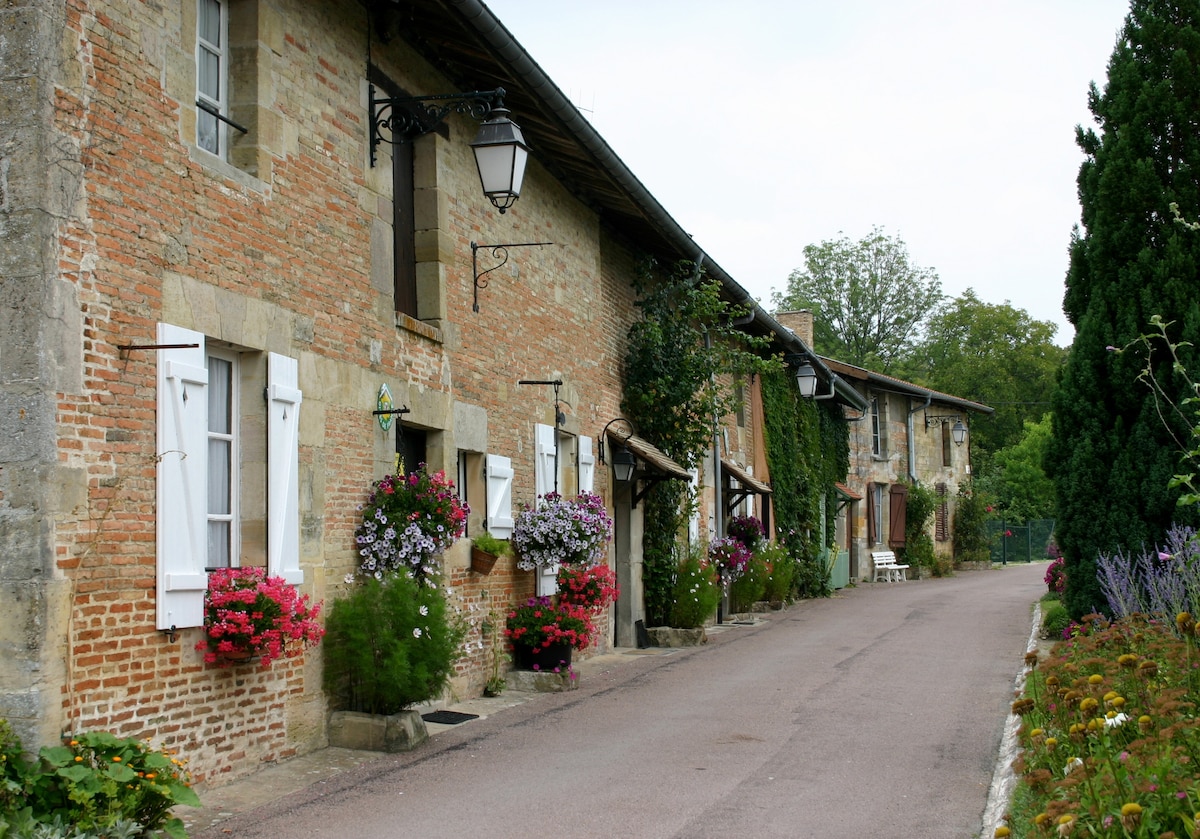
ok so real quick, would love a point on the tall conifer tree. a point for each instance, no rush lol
(1112, 455)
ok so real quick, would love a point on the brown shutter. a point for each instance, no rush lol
(942, 515)
(897, 515)
(871, 534)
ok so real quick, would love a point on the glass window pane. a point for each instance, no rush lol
(208, 23)
(206, 131)
(218, 544)
(220, 396)
(219, 474)
(208, 74)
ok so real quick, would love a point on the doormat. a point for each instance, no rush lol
(448, 717)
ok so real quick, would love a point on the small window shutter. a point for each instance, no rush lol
(897, 515)
(872, 536)
(545, 439)
(182, 479)
(499, 496)
(283, 468)
(587, 465)
(941, 516)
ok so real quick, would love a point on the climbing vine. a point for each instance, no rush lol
(808, 452)
(682, 347)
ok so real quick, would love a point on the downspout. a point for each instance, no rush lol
(912, 455)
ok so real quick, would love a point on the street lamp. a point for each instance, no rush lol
(624, 462)
(500, 149)
(958, 431)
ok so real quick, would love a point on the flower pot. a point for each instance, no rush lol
(542, 658)
(482, 562)
(238, 656)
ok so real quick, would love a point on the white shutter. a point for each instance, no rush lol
(181, 517)
(499, 496)
(587, 465)
(283, 468)
(545, 448)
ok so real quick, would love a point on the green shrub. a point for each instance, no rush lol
(95, 785)
(920, 505)
(781, 573)
(970, 527)
(750, 587)
(697, 590)
(389, 645)
(1055, 619)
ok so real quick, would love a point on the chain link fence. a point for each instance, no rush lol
(1019, 542)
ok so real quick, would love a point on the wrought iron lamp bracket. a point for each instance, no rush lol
(499, 252)
(406, 117)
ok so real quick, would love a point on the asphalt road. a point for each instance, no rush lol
(876, 713)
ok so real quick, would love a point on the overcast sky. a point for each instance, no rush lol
(763, 126)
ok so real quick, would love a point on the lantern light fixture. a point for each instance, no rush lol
(958, 431)
(500, 149)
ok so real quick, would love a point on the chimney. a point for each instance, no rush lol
(800, 322)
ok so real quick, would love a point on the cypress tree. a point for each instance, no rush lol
(1112, 454)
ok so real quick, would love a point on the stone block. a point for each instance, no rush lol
(532, 681)
(670, 636)
(400, 732)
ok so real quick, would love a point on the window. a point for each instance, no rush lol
(411, 448)
(947, 447)
(200, 518)
(222, 460)
(212, 76)
(875, 514)
(878, 427)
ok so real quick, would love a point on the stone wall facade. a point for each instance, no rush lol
(115, 220)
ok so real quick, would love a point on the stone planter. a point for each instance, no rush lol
(400, 732)
(669, 636)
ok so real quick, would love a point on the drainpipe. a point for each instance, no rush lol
(912, 455)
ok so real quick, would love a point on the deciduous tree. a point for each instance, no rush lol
(867, 297)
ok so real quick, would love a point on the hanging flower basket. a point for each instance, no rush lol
(482, 562)
(249, 615)
(408, 522)
(558, 531)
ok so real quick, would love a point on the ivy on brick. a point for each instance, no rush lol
(681, 355)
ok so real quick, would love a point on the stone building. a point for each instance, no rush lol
(907, 434)
(194, 214)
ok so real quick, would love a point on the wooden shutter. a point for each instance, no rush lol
(546, 463)
(587, 465)
(283, 468)
(181, 519)
(499, 471)
(872, 536)
(942, 514)
(897, 515)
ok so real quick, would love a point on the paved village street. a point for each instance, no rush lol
(878, 712)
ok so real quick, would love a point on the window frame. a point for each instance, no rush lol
(233, 437)
(221, 101)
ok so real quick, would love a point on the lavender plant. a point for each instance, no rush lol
(1164, 581)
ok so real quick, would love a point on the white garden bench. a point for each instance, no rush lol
(887, 569)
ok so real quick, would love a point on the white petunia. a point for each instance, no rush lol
(416, 632)
(424, 610)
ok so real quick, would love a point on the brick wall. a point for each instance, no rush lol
(284, 256)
